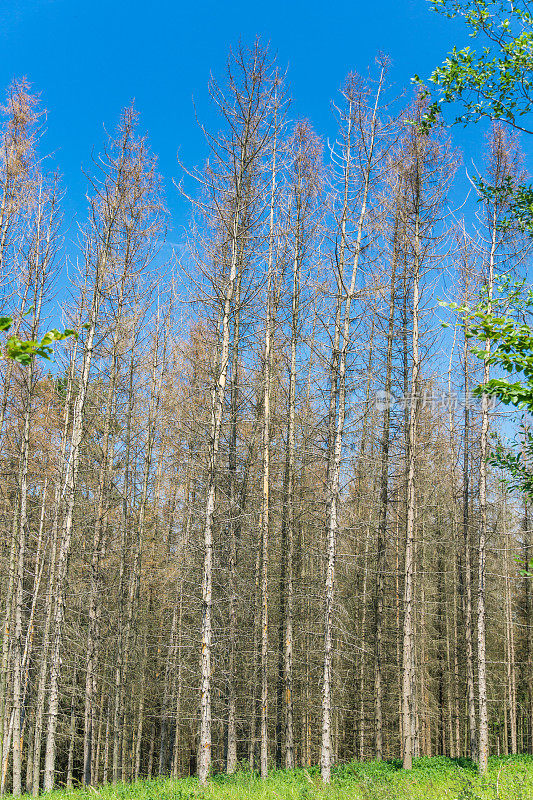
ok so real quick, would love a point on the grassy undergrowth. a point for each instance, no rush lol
(508, 778)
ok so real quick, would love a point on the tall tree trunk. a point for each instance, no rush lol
(72, 735)
(265, 507)
(408, 663)
(204, 755)
(470, 697)
(40, 256)
(289, 578)
(64, 548)
(338, 411)
(255, 659)
(528, 608)
(18, 594)
(125, 519)
(362, 661)
(280, 708)
(94, 595)
(382, 517)
(45, 647)
(140, 717)
(234, 523)
(177, 741)
(482, 543)
(509, 634)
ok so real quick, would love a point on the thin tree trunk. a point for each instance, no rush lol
(176, 745)
(64, 549)
(282, 618)
(470, 698)
(217, 405)
(338, 410)
(528, 590)
(481, 623)
(118, 710)
(96, 766)
(255, 668)
(94, 599)
(509, 636)
(408, 700)
(234, 522)
(140, 719)
(72, 735)
(362, 659)
(382, 518)
(265, 507)
(106, 746)
(18, 594)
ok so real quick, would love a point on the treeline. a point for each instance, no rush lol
(249, 519)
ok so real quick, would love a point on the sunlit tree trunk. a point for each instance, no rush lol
(408, 663)
(470, 698)
(509, 634)
(338, 399)
(383, 510)
(482, 543)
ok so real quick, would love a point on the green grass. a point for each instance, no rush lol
(508, 778)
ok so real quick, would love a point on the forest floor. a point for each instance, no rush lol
(508, 778)
(439, 778)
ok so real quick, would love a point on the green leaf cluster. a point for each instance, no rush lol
(494, 81)
(504, 321)
(25, 350)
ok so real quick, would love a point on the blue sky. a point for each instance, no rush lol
(89, 59)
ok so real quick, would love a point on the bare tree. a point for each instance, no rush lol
(357, 115)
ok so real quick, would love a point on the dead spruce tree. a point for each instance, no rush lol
(38, 267)
(28, 246)
(499, 254)
(136, 226)
(360, 152)
(118, 207)
(303, 209)
(427, 169)
(234, 203)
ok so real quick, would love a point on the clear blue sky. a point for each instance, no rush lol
(89, 59)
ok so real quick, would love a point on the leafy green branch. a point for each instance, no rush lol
(502, 320)
(494, 82)
(25, 350)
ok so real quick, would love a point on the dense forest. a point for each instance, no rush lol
(248, 515)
